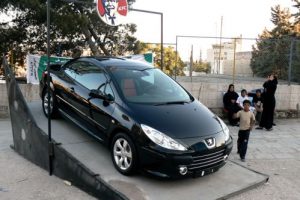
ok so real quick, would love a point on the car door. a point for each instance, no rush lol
(72, 91)
(101, 110)
(93, 113)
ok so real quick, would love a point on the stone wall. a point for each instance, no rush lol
(211, 95)
(3, 101)
(209, 91)
(30, 93)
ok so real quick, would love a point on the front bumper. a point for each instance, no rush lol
(184, 164)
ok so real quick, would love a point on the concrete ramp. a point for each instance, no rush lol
(230, 180)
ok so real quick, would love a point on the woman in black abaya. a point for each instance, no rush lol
(229, 101)
(269, 102)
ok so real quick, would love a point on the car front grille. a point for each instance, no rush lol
(204, 161)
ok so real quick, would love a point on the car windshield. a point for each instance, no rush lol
(150, 86)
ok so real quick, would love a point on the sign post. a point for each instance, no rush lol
(112, 12)
(161, 33)
(50, 149)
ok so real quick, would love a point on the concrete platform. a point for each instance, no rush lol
(228, 181)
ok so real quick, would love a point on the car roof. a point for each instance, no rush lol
(116, 62)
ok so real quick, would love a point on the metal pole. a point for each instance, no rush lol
(161, 42)
(48, 89)
(219, 63)
(233, 68)
(161, 32)
(176, 57)
(290, 61)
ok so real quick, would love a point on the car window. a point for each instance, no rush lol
(149, 86)
(108, 90)
(87, 74)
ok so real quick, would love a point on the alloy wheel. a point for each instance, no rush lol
(48, 103)
(122, 154)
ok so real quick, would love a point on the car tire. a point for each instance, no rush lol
(124, 154)
(53, 104)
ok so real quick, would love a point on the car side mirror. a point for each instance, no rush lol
(109, 97)
(96, 94)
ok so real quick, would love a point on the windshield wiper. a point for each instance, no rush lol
(172, 102)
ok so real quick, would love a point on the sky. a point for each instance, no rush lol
(203, 18)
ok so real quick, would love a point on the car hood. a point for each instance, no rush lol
(178, 121)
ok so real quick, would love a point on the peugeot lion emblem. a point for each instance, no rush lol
(210, 142)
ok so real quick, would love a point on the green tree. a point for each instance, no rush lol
(169, 58)
(200, 66)
(297, 14)
(271, 53)
(296, 50)
(72, 25)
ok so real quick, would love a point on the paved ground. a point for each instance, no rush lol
(276, 153)
(22, 180)
(141, 187)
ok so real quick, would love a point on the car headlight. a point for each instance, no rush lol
(225, 129)
(161, 139)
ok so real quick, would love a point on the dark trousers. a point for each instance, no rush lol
(267, 116)
(242, 142)
(258, 117)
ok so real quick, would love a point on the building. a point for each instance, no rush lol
(220, 53)
(242, 65)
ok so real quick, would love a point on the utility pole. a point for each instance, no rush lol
(220, 50)
(191, 62)
(200, 58)
(290, 61)
(233, 67)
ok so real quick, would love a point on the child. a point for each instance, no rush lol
(242, 98)
(257, 100)
(247, 121)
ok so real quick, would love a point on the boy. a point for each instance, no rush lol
(247, 121)
(242, 98)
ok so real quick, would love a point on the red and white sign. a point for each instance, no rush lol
(111, 12)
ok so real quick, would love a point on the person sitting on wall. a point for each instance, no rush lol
(230, 105)
(242, 98)
(258, 104)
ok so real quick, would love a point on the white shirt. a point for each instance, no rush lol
(240, 101)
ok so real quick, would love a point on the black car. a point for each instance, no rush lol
(147, 120)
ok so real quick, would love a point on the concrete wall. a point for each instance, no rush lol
(30, 93)
(211, 95)
(208, 91)
(3, 101)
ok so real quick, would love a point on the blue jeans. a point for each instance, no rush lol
(242, 142)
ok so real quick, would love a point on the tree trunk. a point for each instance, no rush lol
(101, 45)
(91, 43)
